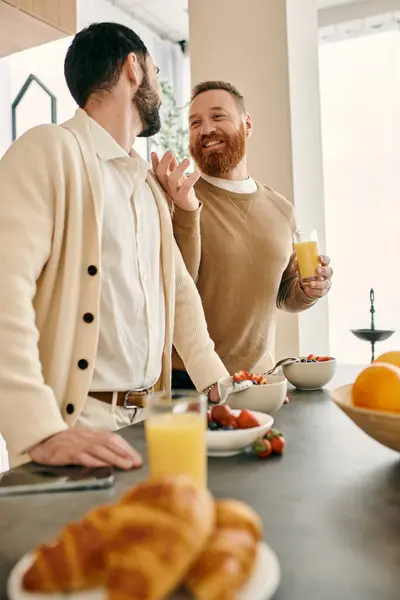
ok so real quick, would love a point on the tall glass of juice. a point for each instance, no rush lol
(307, 252)
(176, 434)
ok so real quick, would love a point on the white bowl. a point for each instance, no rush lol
(384, 427)
(310, 376)
(222, 443)
(262, 398)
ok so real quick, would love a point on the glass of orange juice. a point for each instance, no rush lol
(307, 252)
(176, 434)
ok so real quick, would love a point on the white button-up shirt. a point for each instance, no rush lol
(132, 311)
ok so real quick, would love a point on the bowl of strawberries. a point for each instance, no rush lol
(266, 394)
(230, 432)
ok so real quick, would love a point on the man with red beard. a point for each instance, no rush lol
(235, 235)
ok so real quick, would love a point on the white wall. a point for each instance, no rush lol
(308, 181)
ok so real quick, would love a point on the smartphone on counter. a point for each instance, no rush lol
(32, 479)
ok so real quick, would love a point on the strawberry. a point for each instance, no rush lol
(231, 423)
(255, 378)
(274, 432)
(276, 439)
(240, 376)
(323, 358)
(221, 414)
(278, 444)
(246, 420)
(262, 447)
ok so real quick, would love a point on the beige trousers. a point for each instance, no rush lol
(99, 415)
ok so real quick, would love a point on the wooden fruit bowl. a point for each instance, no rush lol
(384, 427)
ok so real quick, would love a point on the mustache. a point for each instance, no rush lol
(212, 137)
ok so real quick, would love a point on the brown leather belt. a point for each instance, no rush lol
(130, 399)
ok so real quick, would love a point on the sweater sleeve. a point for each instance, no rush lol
(186, 225)
(28, 409)
(191, 338)
(291, 296)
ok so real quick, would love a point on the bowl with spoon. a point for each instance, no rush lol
(266, 398)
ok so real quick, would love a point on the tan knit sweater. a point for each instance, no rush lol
(239, 250)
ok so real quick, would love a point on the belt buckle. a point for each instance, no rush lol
(139, 394)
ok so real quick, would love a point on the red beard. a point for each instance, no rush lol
(219, 162)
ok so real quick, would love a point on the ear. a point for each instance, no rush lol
(248, 125)
(133, 69)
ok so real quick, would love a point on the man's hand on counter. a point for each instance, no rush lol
(87, 448)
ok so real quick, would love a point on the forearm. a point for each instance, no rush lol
(292, 297)
(186, 226)
(191, 338)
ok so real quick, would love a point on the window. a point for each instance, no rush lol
(360, 103)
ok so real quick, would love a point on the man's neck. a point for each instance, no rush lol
(118, 120)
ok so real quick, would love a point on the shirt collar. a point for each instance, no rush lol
(244, 186)
(142, 163)
(107, 149)
(104, 144)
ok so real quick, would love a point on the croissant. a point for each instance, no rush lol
(229, 557)
(170, 523)
(75, 560)
(140, 548)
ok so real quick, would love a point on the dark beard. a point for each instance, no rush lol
(220, 162)
(148, 104)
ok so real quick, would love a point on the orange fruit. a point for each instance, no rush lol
(393, 358)
(378, 388)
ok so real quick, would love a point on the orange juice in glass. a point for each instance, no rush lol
(307, 253)
(176, 435)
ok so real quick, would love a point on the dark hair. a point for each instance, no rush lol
(96, 56)
(206, 86)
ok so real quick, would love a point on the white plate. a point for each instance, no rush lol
(222, 443)
(262, 585)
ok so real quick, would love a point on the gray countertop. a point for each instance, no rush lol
(330, 506)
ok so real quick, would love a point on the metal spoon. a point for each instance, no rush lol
(282, 363)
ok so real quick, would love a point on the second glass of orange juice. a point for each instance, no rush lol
(176, 434)
(307, 253)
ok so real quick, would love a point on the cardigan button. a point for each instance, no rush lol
(88, 317)
(83, 364)
(92, 270)
(70, 409)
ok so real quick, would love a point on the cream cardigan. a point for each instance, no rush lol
(50, 227)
